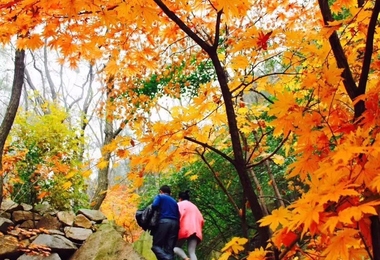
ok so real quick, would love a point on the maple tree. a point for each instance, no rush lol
(322, 97)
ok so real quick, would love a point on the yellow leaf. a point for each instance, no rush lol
(32, 42)
(103, 164)
(239, 62)
(193, 177)
(354, 213)
(87, 173)
(331, 224)
(70, 174)
(188, 172)
(236, 245)
(278, 159)
(67, 185)
(258, 254)
(242, 110)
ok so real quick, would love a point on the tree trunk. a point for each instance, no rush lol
(239, 162)
(10, 114)
(102, 185)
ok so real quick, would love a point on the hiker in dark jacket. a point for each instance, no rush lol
(166, 233)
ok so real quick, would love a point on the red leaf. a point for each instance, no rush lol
(262, 40)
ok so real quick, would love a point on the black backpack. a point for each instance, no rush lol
(147, 218)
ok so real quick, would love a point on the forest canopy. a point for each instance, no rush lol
(274, 103)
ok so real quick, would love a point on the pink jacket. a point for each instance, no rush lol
(191, 220)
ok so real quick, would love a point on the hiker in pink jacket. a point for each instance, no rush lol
(190, 227)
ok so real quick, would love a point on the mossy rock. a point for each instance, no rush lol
(143, 246)
(106, 243)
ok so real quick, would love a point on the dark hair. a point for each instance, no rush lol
(184, 195)
(165, 189)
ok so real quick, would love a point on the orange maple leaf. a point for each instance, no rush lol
(42, 194)
(341, 243)
(257, 254)
(262, 40)
(279, 217)
(122, 153)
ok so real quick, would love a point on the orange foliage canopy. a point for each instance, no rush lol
(336, 147)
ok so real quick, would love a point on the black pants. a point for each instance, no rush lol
(164, 239)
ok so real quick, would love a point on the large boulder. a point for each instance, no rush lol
(106, 243)
(143, 245)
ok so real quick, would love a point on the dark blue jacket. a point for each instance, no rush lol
(167, 206)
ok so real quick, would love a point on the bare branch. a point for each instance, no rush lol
(48, 76)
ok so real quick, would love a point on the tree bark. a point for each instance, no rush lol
(102, 185)
(239, 162)
(375, 234)
(10, 114)
(261, 192)
(280, 201)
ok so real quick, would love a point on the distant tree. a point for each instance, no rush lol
(10, 114)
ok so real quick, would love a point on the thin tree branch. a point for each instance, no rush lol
(220, 183)
(340, 57)
(271, 154)
(212, 149)
(183, 26)
(260, 190)
(48, 76)
(368, 49)
(262, 94)
(217, 29)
